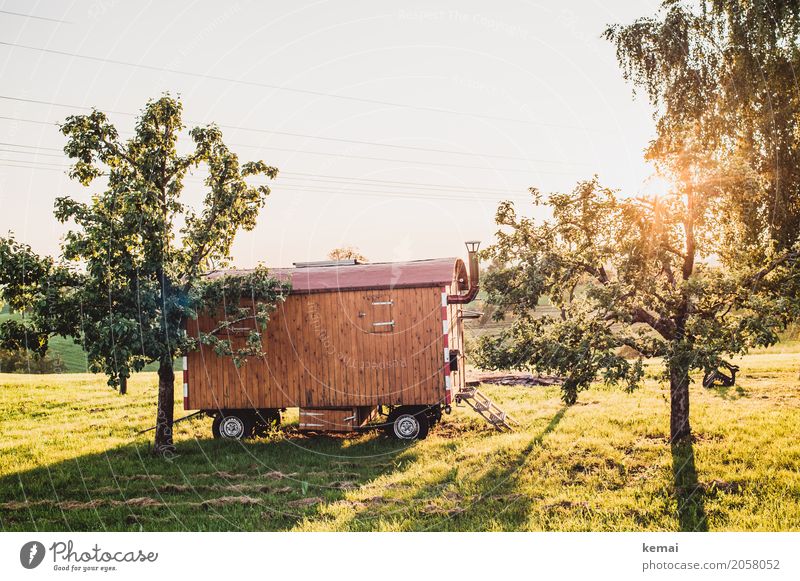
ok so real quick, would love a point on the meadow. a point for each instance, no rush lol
(71, 459)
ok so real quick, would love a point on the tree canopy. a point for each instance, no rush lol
(346, 253)
(724, 73)
(625, 274)
(705, 272)
(132, 270)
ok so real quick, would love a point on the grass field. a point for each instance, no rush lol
(70, 459)
(71, 353)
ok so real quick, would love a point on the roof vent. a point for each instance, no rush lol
(349, 262)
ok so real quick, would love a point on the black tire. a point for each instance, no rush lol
(233, 425)
(266, 421)
(434, 415)
(408, 423)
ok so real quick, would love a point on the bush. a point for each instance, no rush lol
(28, 362)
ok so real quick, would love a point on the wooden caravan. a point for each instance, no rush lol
(352, 341)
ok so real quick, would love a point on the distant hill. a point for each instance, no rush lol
(72, 354)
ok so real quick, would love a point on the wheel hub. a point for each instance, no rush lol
(232, 427)
(407, 426)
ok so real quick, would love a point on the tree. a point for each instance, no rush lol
(131, 274)
(627, 272)
(346, 253)
(724, 74)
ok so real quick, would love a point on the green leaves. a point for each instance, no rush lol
(724, 74)
(137, 278)
(623, 274)
(243, 305)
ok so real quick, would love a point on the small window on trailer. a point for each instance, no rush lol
(376, 313)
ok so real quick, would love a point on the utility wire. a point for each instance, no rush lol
(29, 146)
(34, 153)
(386, 196)
(411, 162)
(288, 89)
(273, 184)
(324, 178)
(35, 17)
(294, 134)
(343, 183)
(51, 123)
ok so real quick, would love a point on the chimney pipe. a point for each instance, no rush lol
(469, 296)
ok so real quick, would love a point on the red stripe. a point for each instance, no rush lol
(185, 376)
(446, 343)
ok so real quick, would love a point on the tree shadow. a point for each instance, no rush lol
(690, 494)
(208, 484)
(451, 502)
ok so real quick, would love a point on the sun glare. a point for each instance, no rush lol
(656, 186)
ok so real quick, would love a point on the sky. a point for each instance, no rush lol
(397, 127)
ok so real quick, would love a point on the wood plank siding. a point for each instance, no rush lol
(333, 349)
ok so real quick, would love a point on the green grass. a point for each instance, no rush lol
(70, 459)
(72, 354)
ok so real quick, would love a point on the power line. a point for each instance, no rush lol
(36, 153)
(2, 164)
(51, 123)
(341, 192)
(29, 146)
(398, 182)
(341, 181)
(324, 178)
(302, 135)
(354, 156)
(395, 195)
(35, 162)
(35, 17)
(288, 89)
(277, 186)
(385, 183)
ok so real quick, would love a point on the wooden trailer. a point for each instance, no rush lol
(353, 343)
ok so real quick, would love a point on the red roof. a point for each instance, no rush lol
(379, 275)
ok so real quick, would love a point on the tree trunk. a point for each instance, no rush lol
(123, 385)
(166, 403)
(679, 429)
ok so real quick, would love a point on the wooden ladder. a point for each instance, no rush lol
(487, 409)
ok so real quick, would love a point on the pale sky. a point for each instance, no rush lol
(498, 97)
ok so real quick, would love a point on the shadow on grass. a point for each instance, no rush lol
(730, 392)
(511, 509)
(269, 484)
(453, 500)
(689, 492)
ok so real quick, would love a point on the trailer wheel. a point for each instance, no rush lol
(232, 426)
(408, 423)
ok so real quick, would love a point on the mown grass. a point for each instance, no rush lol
(70, 459)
